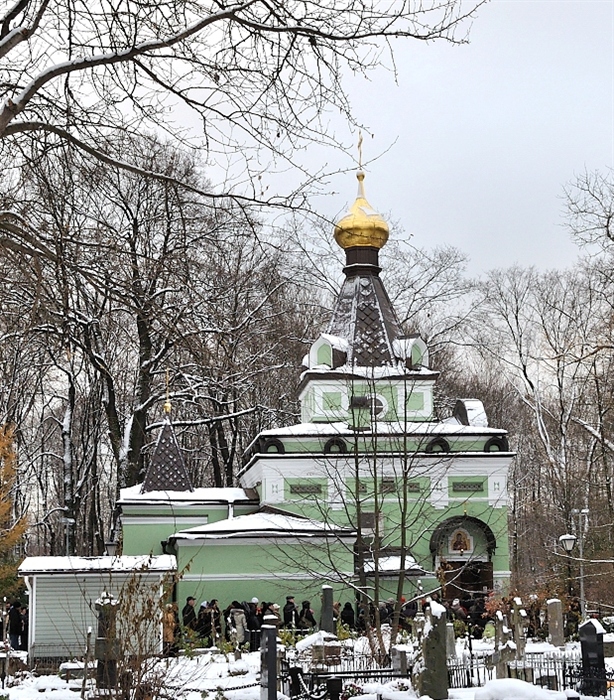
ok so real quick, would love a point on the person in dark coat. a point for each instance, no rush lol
(290, 613)
(188, 614)
(460, 612)
(216, 620)
(25, 624)
(306, 619)
(262, 611)
(253, 625)
(407, 614)
(347, 615)
(15, 624)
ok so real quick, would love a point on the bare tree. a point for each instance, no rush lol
(128, 277)
(590, 209)
(542, 332)
(257, 75)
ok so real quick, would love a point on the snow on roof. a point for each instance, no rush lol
(392, 565)
(260, 524)
(383, 428)
(476, 413)
(62, 565)
(202, 495)
(378, 372)
(336, 342)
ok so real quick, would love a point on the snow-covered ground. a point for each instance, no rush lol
(217, 677)
(203, 675)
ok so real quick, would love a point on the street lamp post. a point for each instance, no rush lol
(568, 542)
(579, 522)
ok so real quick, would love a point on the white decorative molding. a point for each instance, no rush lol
(497, 490)
(439, 492)
(274, 490)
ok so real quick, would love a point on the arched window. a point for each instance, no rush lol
(273, 445)
(335, 445)
(437, 445)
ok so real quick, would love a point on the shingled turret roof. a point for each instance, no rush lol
(363, 313)
(167, 470)
(364, 316)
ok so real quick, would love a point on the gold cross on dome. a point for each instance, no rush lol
(167, 403)
(360, 150)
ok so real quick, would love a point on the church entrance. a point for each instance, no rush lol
(462, 549)
(467, 579)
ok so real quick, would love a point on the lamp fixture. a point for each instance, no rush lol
(567, 542)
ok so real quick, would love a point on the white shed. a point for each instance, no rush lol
(63, 592)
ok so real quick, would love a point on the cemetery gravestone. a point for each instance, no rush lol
(418, 627)
(399, 660)
(268, 663)
(520, 622)
(556, 628)
(504, 653)
(326, 620)
(434, 677)
(593, 662)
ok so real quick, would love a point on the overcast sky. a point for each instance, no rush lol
(487, 134)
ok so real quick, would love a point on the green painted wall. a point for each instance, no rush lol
(269, 572)
(420, 521)
(328, 407)
(146, 538)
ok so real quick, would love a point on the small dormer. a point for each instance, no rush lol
(411, 351)
(328, 352)
(470, 412)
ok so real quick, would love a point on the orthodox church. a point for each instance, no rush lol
(370, 493)
(369, 489)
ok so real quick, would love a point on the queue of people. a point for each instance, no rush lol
(240, 622)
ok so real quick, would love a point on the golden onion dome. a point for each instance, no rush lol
(362, 226)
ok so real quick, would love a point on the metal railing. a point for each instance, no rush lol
(468, 673)
(556, 672)
(297, 683)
